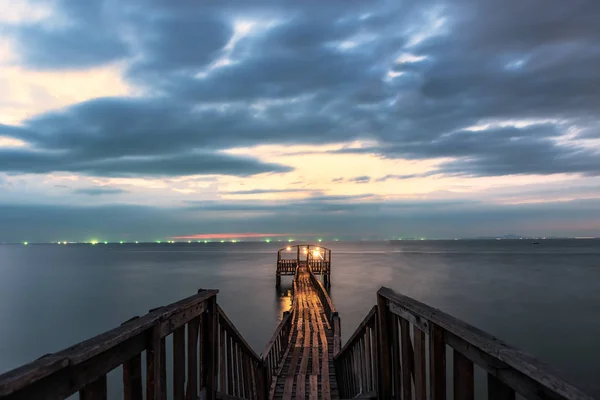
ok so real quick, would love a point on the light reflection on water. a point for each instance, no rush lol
(526, 295)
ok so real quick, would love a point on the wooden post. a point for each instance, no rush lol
(95, 390)
(209, 343)
(192, 359)
(154, 375)
(132, 378)
(277, 280)
(179, 363)
(463, 377)
(407, 360)
(419, 366)
(384, 382)
(437, 363)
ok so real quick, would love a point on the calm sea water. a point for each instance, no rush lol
(544, 298)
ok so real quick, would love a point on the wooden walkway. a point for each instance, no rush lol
(308, 371)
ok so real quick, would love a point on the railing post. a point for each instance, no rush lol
(384, 382)
(209, 342)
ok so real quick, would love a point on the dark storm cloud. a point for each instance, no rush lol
(26, 161)
(86, 37)
(99, 191)
(319, 72)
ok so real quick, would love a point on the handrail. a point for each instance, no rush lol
(509, 370)
(227, 366)
(356, 365)
(275, 350)
(241, 372)
(323, 296)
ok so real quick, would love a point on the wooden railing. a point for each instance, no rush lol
(242, 373)
(356, 364)
(330, 311)
(319, 267)
(323, 296)
(218, 360)
(287, 267)
(410, 351)
(275, 351)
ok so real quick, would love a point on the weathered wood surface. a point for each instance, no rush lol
(61, 374)
(307, 371)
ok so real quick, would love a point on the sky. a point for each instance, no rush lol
(158, 119)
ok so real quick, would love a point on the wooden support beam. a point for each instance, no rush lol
(384, 390)
(192, 359)
(463, 377)
(132, 378)
(179, 364)
(437, 363)
(95, 390)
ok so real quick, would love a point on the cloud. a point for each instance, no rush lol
(264, 191)
(360, 179)
(411, 76)
(99, 191)
(187, 163)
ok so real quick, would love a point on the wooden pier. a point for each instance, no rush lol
(402, 350)
(317, 257)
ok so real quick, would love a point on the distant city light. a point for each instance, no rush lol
(268, 240)
(189, 241)
(25, 243)
(290, 240)
(206, 241)
(121, 242)
(158, 241)
(222, 241)
(94, 242)
(288, 248)
(320, 240)
(136, 242)
(105, 242)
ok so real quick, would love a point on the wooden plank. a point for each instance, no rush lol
(288, 388)
(384, 347)
(95, 390)
(463, 377)
(368, 360)
(407, 360)
(314, 388)
(254, 380)
(154, 363)
(132, 378)
(179, 364)
(437, 363)
(300, 386)
(497, 390)
(420, 364)
(396, 356)
(192, 358)
(222, 361)
(209, 347)
(315, 354)
(236, 372)
(230, 376)
(163, 369)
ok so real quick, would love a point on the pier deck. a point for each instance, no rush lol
(308, 370)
